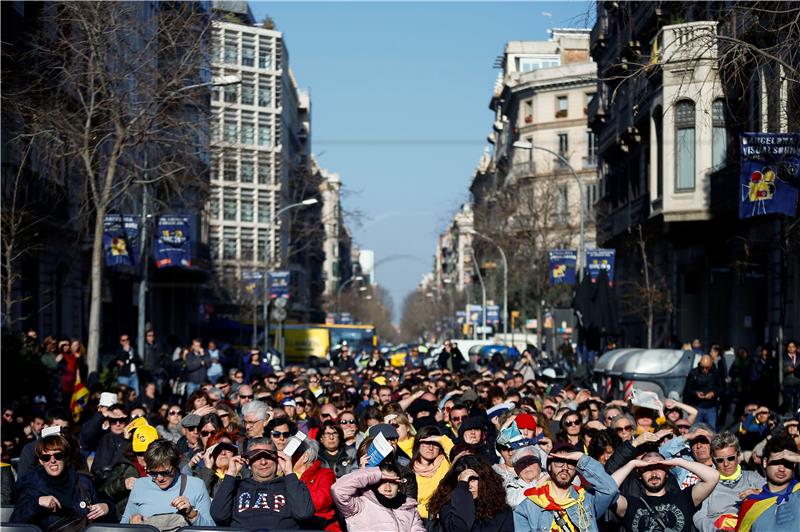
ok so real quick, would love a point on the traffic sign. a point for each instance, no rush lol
(279, 314)
(281, 302)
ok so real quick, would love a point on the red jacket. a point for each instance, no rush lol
(319, 481)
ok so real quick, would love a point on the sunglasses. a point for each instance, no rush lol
(456, 418)
(723, 459)
(701, 440)
(47, 457)
(246, 396)
(279, 434)
(563, 464)
(261, 454)
(347, 422)
(165, 473)
(206, 433)
(176, 413)
(473, 478)
(683, 427)
(626, 428)
(118, 420)
(325, 416)
(300, 403)
(572, 423)
(193, 429)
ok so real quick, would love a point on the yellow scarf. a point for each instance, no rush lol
(542, 497)
(735, 476)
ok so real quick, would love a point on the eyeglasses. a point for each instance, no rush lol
(723, 459)
(626, 428)
(165, 473)
(683, 427)
(175, 413)
(206, 433)
(279, 434)
(395, 425)
(347, 422)
(118, 420)
(47, 457)
(560, 464)
(330, 435)
(572, 423)
(241, 396)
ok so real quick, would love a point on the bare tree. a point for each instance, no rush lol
(103, 90)
(373, 306)
(419, 316)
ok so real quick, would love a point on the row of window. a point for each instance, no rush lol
(563, 213)
(241, 205)
(590, 159)
(254, 90)
(246, 128)
(248, 167)
(250, 52)
(561, 107)
(237, 243)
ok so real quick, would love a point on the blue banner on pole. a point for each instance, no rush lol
(279, 283)
(171, 247)
(461, 317)
(492, 314)
(598, 260)
(475, 315)
(562, 266)
(252, 285)
(345, 318)
(120, 238)
(770, 174)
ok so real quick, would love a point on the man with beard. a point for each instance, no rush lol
(265, 501)
(558, 504)
(659, 509)
(777, 507)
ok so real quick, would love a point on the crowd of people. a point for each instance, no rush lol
(361, 445)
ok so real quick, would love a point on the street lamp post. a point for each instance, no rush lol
(530, 146)
(483, 289)
(505, 281)
(304, 203)
(143, 283)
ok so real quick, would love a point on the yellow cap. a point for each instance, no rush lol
(144, 436)
(380, 380)
(135, 424)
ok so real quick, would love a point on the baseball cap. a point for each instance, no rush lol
(469, 395)
(563, 447)
(190, 420)
(107, 399)
(143, 437)
(136, 424)
(289, 401)
(388, 431)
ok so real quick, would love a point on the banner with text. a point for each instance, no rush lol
(279, 284)
(171, 247)
(562, 266)
(770, 174)
(461, 317)
(474, 315)
(492, 314)
(598, 260)
(252, 285)
(120, 238)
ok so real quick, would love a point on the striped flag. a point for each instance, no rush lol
(80, 396)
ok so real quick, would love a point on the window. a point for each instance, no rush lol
(262, 241)
(591, 149)
(264, 53)
(231, 52)
(248, 128)
(247, 244)
(531, 63)
(264, 94)
(214, 204)
(248, 94)
(263, 206)
(248, 54)
(246, 169)
(563, 144)
(230, 93)
(527, 111)
(589, 98)
(229, 204)
(247, 205)
(684, 145)
(719, 136)
(562, 203)
(230, 128)
(229, 243)
(213, 244)
(561, 106)
(229, 170)
(264, 170)
(590, 196)
(264, 130)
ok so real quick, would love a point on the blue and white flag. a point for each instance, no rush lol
(171, 247)
(770, 174)
(252, 285)
(598, 260)
(279, 284)
(120, 238)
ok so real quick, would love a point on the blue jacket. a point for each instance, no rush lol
(148, 499)
(601, 493)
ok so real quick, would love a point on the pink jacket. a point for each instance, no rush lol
(363, 512)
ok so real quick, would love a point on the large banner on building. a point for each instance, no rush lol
(770, 174)
(252, 285)
(598, 260)
(171, 246)
(120, 238)
(279, 283)
(562, 266)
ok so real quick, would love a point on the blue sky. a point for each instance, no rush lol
(399, 95)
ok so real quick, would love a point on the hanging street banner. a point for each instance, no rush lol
(492, 314)
(598, 260)
(279, 284)
(171, 247)
(461, 317)
(252, 285)
(769, 181)
(562, 266)
(345, 318)
(474, 315)
(120, 238)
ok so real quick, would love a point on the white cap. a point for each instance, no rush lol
(49, 431)
(107, 399)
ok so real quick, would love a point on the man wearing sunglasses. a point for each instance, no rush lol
(776, 508)
(111, 442)
(266, 500)
(720, 509)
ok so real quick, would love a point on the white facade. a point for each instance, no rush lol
(331, 219)
(366, 259)
(453, 260)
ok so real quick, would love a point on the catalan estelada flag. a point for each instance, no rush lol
(755, 505)
(80, 395)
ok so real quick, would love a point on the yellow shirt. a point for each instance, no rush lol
(426, 486)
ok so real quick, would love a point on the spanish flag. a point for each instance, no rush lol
(755, 505)
(80, 395)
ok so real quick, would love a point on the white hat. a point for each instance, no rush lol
(107, 399)
(49, 431)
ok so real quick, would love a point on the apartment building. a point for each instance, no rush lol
(453, 260)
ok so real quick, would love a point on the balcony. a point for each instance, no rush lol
(597, 37)
(618, 221)
(589, 161)
(521, 170)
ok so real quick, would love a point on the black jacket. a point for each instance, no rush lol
(698, 381)
(458, 515)
(279, 504)
(109, 450)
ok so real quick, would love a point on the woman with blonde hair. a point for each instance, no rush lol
(405, 431)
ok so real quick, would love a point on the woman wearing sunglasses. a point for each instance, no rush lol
(349, 425)
(56, 491)
(471, 497)
(171, 430)
(167, 491)
(572, 431)
(371, 499)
